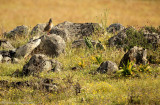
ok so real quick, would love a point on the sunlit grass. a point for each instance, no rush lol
(96, 88)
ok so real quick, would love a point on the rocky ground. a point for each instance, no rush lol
(78, 62)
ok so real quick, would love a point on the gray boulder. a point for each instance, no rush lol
(116, 27)
(26, 49)
(81, 43)
(77, 30)
(61, 32)
(51, 45)
(152, 37)
(6, 45)
(118, 40)
(38, 29)
(15, 60)
(6, 60)
(19, 31)
(108, 67)
(9, 53)
(8, 57)
(39, 63)
(136, 54)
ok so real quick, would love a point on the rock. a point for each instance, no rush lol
(48, 85)
(136, 54)
(38, 29)
(118, 40)
(7, 56)
(61, 32)
(9, 53)
(15, 60)
(37, 64)
(152, 37)
(6, 45)
(1, 57)
(25, 50)
(57, 66)
(51, 45)
(19, 30)
(116, 27)
(81, 43)
(6, 60)
(40, 63)
(77, 30)
(100, 46)
(108, 67)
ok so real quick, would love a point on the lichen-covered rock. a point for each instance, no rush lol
(6, 60)
(19, 31)
(136, 54)
(51, 45)
(8, 57)
(36, 64)
(9, 53)
(61, 32)
(26, 49)
(81, 43)
(40, 63)
(108, 67)
(118, 40)
(77, 30)
(38, 29)
(116, 27)
(6, 45)
(152, 37)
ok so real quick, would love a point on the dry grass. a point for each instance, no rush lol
(96, 89)
(31, 12)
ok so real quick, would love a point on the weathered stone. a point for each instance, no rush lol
(81, 43)
(19, 30)
(152, 37)
(118, 40)
(25, 50)
(6, 60)
(51, 45)
(78, 30)
(9, 53)
(49, 85)
(6, 45)
(108, 67)
(40, 63)
(37, 64)
(61, 32)
(116, 27)
(57, 66)
(136, 54)
(15, 60)
(38, 29)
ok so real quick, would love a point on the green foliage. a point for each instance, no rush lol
(154, 56)
(152, 29)
(144, 68)
(126, 70)
(135, 38)
(88, 43)
(99, 59)
(131, 70)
